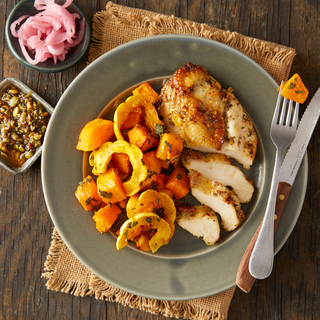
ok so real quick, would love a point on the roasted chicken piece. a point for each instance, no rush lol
(201, 221)
(219, 198)
(194, 106)
(217, 167)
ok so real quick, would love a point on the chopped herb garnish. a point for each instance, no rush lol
(179, 176)
(148, 219)
(89, 200)
(168, 145)
(299, 91)
(105, 194)
(292, 85)
(159, 129)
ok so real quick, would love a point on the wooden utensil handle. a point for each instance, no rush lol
(244, 279)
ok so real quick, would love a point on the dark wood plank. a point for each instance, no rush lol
(291, 292)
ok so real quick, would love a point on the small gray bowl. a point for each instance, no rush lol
(75, 54)
(4, 85)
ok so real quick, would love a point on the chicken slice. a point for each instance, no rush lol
(194, 106)
(217, 167)
(200, 221)
(219, 198)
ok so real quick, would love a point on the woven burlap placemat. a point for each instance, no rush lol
(112, 27)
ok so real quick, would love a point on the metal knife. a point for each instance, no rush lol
(288, 172)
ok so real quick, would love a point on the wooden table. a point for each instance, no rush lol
(291, 292)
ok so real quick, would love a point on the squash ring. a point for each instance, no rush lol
(146, 109)
(101, 158)
(145, 219)
(151, 200)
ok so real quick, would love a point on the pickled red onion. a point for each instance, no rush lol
(50, 33)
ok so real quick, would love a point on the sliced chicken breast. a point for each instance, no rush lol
(217, 167)
(201, 221)
(219, 198)
(194, 106)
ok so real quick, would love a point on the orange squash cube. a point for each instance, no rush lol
(142, 138)
(110, 187)
(152, 162)
(146, 91)
(134, 118)
(170, 147)
(178, 183)
(295, 90)
(121, 162)
(87, 195)
(94, 134)
(106, 217)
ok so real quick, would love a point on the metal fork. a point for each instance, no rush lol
(282, 133)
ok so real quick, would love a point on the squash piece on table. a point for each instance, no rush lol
(94, 134)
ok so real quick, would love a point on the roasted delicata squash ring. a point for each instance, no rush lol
(138, 104)
(101, 158)
(150, 201)
(129, 230)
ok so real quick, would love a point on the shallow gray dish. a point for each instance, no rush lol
(186, 268)
(4, 85)
(26, 7)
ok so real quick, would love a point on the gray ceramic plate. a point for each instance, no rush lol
(186, 268)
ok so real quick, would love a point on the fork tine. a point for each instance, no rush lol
(289, 114)
(295, 120)
(277, 108)
(283, 111)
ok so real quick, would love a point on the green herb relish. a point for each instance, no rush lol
(23, 123)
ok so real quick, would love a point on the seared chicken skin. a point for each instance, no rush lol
(219, 198)
(200, 221)
(194, 106)
(217, 167)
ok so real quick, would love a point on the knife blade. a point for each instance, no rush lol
(288, 173)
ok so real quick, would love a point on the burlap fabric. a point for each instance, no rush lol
(111, 28)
